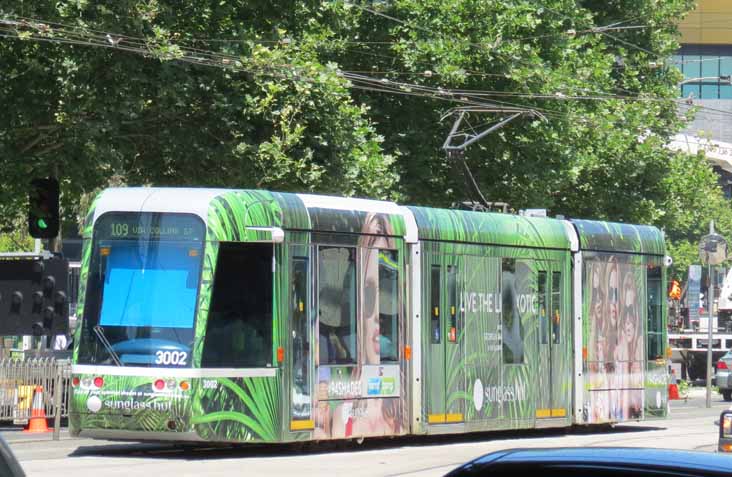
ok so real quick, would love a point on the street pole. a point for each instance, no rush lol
(712, 252)
(710, 295)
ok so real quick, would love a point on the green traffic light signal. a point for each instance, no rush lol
(43, 208)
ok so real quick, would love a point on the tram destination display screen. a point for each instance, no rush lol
(134, 226)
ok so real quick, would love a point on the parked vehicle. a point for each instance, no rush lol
(723, 376)
(725, 431)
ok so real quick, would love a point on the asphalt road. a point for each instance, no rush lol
(690, 427)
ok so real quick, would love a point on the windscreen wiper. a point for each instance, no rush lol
(103, 339)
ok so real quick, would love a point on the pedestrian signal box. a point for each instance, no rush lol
(33, 296)
(43, 214)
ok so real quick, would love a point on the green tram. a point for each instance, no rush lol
(254, 316)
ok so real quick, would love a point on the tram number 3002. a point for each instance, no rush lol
(176, 358)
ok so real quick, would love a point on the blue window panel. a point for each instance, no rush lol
(709, 91)
(725, 69)
(678, 61)
(709, 66)
(691, 66)
(725, 65)
(687, 89)
(150, 284)
(725, 92)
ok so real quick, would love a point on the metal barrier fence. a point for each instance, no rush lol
(19, 381)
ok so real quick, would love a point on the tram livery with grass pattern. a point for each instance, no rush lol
(255, 316)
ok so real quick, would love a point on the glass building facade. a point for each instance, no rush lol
(705, 61)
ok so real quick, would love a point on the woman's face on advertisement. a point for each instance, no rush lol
(600, 348)
(596, 298)
(371, 343)
(629, 314)
(613, 294)
(372, 347)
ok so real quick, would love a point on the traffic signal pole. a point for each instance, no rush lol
(54, 244)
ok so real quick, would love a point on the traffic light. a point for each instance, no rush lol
(43, 219)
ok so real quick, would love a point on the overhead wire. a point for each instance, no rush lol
(471, 97)
(627, 43)
(600, 29)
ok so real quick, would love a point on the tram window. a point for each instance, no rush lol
(452, 303)
(388, 305)
(556, 307)
(543, 321)
(655, 312)
(239, 328)
(513, 340)
(435, 332)
(337, 305)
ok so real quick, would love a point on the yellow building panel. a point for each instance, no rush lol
(714, 6)
(709, 23)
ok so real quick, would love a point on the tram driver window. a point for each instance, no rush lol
(239, 327)
(337, 305)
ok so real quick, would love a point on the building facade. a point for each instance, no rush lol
(705, 59)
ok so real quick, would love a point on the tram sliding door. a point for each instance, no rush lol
(301, 417)
(444, 377)
(551, 402)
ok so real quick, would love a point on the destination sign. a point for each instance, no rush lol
(149, 226)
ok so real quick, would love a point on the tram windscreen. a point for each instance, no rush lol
(142, 290)
(138, 275)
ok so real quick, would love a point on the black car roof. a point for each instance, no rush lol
(618, 458)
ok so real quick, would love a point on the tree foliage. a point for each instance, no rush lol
(94, 115)
(286, 118)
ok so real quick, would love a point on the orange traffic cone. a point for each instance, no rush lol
(37, 421)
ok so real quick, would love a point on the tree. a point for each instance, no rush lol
(96, 115)
(609, 107)
(271, 94)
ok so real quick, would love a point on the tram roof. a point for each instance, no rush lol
(491, 228)
(618, 237)
(230, 214)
